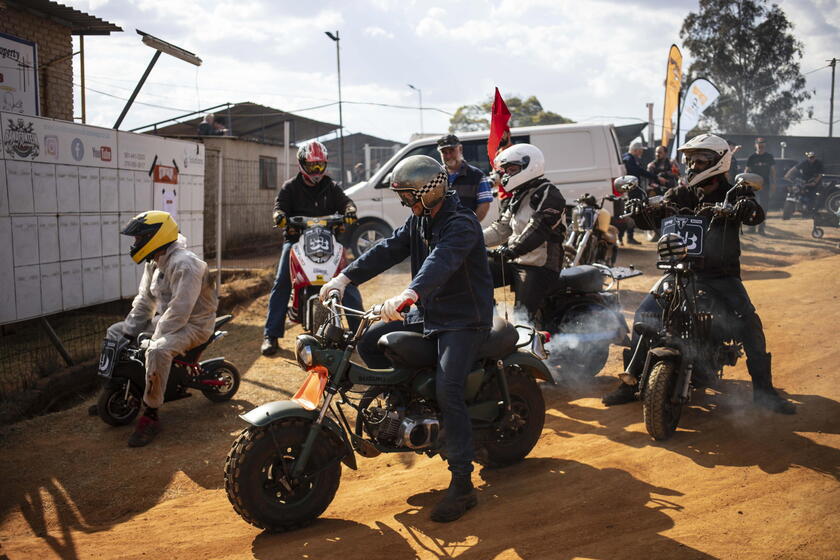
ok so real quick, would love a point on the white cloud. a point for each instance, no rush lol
(373, 31)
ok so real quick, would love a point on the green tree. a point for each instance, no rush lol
(528, 112)
(749, 52)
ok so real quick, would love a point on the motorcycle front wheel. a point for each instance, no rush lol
(661, 415)
(114, 408)
(515, 434)
(258, 478)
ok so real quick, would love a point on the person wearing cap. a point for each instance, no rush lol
(811, 171)
(763, 163)
(472, 187)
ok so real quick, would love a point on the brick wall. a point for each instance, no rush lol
(55, 82)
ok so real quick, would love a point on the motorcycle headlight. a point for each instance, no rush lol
(303, 352)
(671, 248)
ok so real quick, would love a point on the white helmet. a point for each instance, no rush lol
(719, 151)
(528, 157)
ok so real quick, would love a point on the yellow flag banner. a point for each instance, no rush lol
(673, 80)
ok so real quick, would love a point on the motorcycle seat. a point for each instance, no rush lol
(193, 354)
(584, 278)
(412, 349)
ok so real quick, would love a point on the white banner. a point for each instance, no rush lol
(699, 95)
(18, 80)
(43, 140)
(139, 151)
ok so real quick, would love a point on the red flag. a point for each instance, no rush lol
(499, 118)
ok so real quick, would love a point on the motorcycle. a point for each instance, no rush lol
(592, 238)
(693, 339)
(284, 469)
(799, 197)
(122, 367)
(629, 187)
(315, 259)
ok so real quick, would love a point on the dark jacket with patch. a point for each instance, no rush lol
(296, 198)
(449, 268)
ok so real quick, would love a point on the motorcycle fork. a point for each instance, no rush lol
(330, 391)
(584, 243)
(503, 385)
(683, 385)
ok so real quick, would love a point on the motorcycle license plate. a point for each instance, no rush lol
(108, 358)
(690, 228)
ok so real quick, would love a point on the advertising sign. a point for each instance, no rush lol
(28, 138)
(18, 79)
(673, 81)
(698, 96)
(141, 152)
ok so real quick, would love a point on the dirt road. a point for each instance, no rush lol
(734, 482)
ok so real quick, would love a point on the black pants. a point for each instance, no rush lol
(457, 352)
(531, 284)
(731, 293)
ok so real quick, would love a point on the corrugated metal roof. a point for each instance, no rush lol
(79, 23)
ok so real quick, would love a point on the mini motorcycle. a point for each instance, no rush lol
(284, 469)
(694, 337)
(315, 259)
(122, 366)
(592, 238)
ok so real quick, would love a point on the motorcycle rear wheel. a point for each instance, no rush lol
(515, 436)
(228, 373)
(258, 475)
(661, 415)
(112, 406)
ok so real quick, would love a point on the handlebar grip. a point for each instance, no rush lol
(404, 306)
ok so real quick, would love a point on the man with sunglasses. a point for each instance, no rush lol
(309, 193)
(453, 292)
(707, 160)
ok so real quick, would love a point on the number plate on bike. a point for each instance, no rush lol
(318, 244)
(108, 357)
(690, 228)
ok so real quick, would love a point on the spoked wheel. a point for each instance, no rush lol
(515, 434)
(661, 415)
(258, 475)
(226, 374)
(114, 408)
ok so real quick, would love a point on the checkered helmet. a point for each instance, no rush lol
(420, 178)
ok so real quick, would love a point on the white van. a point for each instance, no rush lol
(579, 159)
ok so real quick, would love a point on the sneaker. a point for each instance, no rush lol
(622, 394)
(632, 241)
(145, 432)
(773, 401)
(269, 346)
(454, 504)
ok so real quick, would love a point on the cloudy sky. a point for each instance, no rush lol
(593, 60)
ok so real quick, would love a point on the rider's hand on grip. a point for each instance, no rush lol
(279, 219)
(504, 253)
(392, 309)
(744, 209)
(337, 284)
(350, 215)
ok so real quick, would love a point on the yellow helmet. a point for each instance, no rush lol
(152, 231)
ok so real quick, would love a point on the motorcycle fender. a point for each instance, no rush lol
(531, 364)
(211, 363)
(267, 413)
(665, 353)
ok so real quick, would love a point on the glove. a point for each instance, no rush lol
(744, 209)
(292, 231)
(503, 253)
(392, 308)
(144, 341)
(279, 219)
(337, 284)
(350, 215)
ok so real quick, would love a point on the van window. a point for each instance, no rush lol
(568, 151)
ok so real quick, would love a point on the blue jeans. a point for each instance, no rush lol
(278, 303)
(456, 355)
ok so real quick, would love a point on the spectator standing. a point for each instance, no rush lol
(470, 184)
(632, 161)
(663, 168)
(763, 163)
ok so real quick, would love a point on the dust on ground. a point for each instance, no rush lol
(734, 482)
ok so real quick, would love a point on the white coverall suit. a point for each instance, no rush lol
(176, 305)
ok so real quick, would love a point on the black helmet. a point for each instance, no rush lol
(420, 178)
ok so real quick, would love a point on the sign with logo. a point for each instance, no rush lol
(690, 228)
(166, 174)
(53, 141)
(18, 78)
(20, 139)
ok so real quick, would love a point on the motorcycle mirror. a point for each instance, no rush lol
(626, 183)
(751, 180)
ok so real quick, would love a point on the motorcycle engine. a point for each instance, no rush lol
(414, 428)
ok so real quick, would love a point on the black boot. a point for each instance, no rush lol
(269, 346)
(460, 497)
(764, 395)
(622, 394)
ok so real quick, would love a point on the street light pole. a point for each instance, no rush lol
(833, 64)
(337, 40)
(420, 93)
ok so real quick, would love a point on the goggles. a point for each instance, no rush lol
(407, 198)
(702, 158)
(315, 167)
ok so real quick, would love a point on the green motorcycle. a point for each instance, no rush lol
(284, 469)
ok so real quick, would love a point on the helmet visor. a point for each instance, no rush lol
(702, 158)
(314, 167)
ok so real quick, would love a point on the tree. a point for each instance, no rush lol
(749, 52)
(529, 112)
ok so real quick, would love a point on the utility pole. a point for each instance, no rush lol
(650, 123)
(337, 40)
(420, 106)
(833, 64)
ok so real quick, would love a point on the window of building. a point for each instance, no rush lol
(268, 172)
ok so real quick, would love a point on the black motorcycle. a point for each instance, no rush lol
(122, 366)
(693, 339)
(592, 237)
(284, 468)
